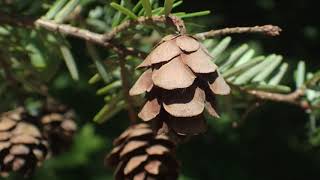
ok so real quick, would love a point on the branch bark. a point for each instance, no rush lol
(104, 40)
(292, 98)
(85, 35)
(269, 30)
(68, 30)
(171, 20)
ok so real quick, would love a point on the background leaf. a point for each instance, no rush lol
(147, 7)
(70, 62)
(168, 6)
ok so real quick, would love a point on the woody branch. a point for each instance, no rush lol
(106, 40)
(269, 30)
(294, 98)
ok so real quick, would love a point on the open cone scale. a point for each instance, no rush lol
(180, 82)
(139, 154)
(58, 126)
(22, 146)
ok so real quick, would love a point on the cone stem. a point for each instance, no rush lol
(178, 23)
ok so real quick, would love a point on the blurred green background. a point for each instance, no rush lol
(270, 143)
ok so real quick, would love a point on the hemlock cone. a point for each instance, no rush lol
(58, 127)
(139, 154)
(180, 82)
(22, 146)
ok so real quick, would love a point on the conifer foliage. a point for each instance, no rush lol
(172, 66)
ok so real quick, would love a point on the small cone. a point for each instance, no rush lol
(139, 154)
(58, 127)
(181, 82)
(22, 146)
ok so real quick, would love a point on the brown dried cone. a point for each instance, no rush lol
(180, 82)
(22, 146)
(139, 154)
(58, 127)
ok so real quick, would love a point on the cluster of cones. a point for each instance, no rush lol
(180, 82)
(26, 141)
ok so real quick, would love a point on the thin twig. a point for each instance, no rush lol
(72, 31)
(294, 97)
(85, 35)
(130, 23)
(171, 20)
(104, 40)
(247, 112)
(291, 98)
(67, 30)
(269, 30)
(125, 85)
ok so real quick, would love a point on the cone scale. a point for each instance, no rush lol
(139, 154)
(22, 146)
(58, 126)
(180, 82)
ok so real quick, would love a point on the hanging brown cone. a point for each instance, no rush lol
(139, 154)
(22, 146)
(180, 82)
(58, 127)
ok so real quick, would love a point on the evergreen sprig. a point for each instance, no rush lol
(31, 57)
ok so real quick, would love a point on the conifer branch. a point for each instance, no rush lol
(269, 30)
(291, 98)
(67, 30)
(173, 20)
(106, 40)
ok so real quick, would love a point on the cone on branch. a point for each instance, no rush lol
(58, 126)
(139, 154)
(180, 82)
(22, 146)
